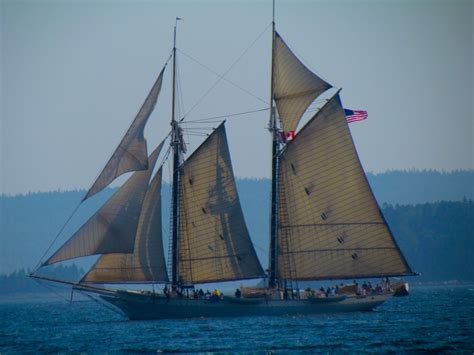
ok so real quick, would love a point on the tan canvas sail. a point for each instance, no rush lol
(113, 227)
(330, 225)
(295, 86)
(213, 237)
(147, 262)
(131, 154)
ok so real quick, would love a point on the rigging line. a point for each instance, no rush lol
(51, 289)
(180, 97)
(259, 247)
(180, 88)
(39, 264)
(199, 123)
(222, 77)
(199, 128)
(197, 135)
(226, 116)
(225, 73)
(100, 303)
(196, 132)
(165, 157)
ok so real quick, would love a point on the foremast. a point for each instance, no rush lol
(176, 144)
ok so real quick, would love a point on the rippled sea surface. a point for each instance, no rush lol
(431, 319)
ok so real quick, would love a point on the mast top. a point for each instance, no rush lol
(175, 26)
(273, 13)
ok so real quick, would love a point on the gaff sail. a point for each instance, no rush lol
(330, 225)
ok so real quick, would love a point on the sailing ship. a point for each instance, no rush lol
(325, 223)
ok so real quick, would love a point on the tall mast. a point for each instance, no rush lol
(275, 152)
(175, 189)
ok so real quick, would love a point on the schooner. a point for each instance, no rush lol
(325, 223)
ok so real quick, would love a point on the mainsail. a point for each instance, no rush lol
(214, 242)
(147, 262)
(295, 86)
(131, 154)
(330, 225)
(113, 227)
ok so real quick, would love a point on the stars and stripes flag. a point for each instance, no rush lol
(355, 115)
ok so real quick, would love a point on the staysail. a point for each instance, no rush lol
(131, 154)
(295, 86)
(113, 227)
(330, 225)
(147, 262)
(214, 241)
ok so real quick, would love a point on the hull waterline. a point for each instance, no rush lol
(141, 306)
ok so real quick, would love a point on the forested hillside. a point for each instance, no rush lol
(411, 187)
(435, 237)
(19, 282)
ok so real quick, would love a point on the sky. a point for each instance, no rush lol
(74, 74)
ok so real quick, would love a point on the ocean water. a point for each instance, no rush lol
(432, 318)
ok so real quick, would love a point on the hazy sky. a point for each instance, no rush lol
(74, 73)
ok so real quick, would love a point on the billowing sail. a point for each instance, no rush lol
(147, 262)
(295, 86)
(330, 225)
(113, 227)
(131, 154)
(214, 244)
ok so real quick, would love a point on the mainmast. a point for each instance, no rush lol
(274, 189)
(176, 144)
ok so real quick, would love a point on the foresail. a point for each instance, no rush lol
(213, 237)
(330, 225)
(131, 154)
(113, 227)
(147, 262)
(295, 86)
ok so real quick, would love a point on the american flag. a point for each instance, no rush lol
(355, 115)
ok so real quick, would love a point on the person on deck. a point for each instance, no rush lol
(215, 296)
(238, 294)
